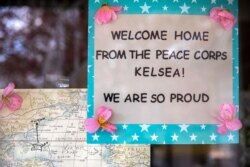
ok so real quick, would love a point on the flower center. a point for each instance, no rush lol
(228, 116)
(101, 121)
(5, 99)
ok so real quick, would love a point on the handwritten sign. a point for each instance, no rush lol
(164, 73)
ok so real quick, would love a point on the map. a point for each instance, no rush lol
(48, 132)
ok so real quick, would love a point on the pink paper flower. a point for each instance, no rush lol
(223, 17)
(10, 99)
(227, 119)
(107, 13)
(100, 121)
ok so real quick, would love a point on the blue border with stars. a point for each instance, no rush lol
(161, 133)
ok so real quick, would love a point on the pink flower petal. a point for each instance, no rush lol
(223, 17)
(116, 8)
(14, 102)
(227, 111)
(103, 15)
(227, 119)
(214, 14)
(103, 114)
(114, 16)
(219, 119)
(106, 14)
(109, 127)
(233, 125)
(226, 14)
(91, 125)
(9, 89)
(227, 23)
(222, 129)
(1, 104)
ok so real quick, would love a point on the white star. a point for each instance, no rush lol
(145, 8)
(176, 1)
(237, 69)
(136, 1)
(164, 126)
(203, 127)
(89, 28)
(165, 8)
(95, 137)
(114, 137)
(97, 1)
(135, 137)
(230, 2)
(213, 137)
(184, 127)
(89, 66)
(144, 127)
(124, 126)
(115, 1)
(237, 31)
(237, 106)
(174, 137)
(194, 1)
(203, 9)
(154, 137)
(125, 8)
(193, 137)
(213, 1)
(184, 8)
(155, 0)
(230, 137)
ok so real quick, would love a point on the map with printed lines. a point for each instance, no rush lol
(48, 132)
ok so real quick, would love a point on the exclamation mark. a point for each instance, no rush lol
(183, 72)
